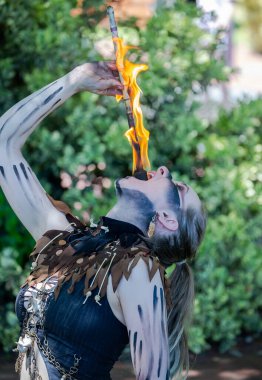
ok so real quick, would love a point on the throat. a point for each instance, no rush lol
(133, 207)
(130, 216)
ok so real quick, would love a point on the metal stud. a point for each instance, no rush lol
(88, 294)
(97, 299)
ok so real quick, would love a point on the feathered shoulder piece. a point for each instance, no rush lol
(56, 254)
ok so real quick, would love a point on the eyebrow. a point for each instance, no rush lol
(182, 195)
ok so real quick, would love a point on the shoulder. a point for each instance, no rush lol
(144, 270)
(142, 281)
(135, 282)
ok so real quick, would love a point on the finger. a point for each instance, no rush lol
(111, 65)
(108, 83)
(113, 71)
(110, 92)
(113, 92)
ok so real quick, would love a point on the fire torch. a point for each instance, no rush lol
(137, 135)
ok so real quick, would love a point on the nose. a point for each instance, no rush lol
(164, 172)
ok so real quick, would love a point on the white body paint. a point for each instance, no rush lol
(150, 331)
(29, 201)
(21, 187)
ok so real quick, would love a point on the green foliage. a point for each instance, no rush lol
(80, 148)
(11, 278)
(229, 266)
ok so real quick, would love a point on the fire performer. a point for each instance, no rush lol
(93, 289)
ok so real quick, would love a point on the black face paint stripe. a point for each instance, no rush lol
(140, 349)
(163, 327)
(27, 197)
(40, 117)
(162, 300)
(25, 119)
(155, 298)
(134, 342)
(16, 173)
(159, 364)
(50, 97)
(22, 187)
(2, 170)
(22, 166)
(138, 201)
(10, 117)
(140, 312)
(134, 346)
(29, 115)
(24, 104)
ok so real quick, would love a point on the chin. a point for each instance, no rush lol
(127, 183)
(118, 187)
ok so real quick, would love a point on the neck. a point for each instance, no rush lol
(130, 212)
(119, 212)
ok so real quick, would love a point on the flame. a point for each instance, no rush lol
(137, 135)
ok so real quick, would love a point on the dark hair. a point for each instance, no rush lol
(179, 246)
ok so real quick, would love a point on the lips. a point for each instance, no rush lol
(151, 174)
(141, 175)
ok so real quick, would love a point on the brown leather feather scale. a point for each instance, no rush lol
(52, 255)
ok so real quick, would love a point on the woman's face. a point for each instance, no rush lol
(161, 190)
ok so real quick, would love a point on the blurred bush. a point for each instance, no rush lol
(253, 13)
(229, 266)
(80, 148)
(11, 278)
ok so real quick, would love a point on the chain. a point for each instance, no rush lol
(19, 362)
(36, 375)
(21, 355)
(45, 349)
(30, 330)
(33, 369)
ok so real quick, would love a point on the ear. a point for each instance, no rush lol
(167, 219)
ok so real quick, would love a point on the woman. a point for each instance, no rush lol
(93, 289)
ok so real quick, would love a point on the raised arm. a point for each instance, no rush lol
(20, 185)
(144, 310)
